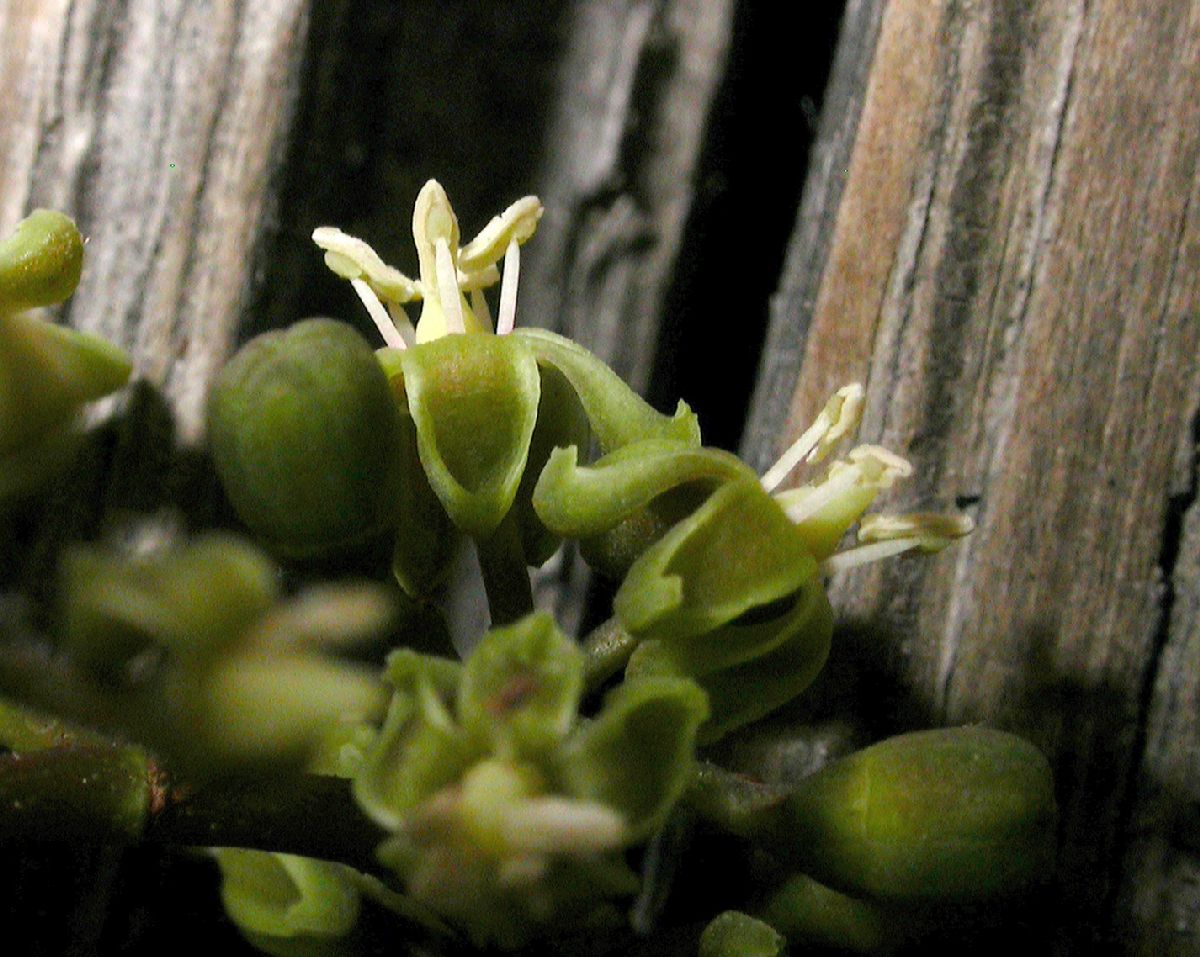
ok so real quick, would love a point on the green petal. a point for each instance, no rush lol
(425, 537)
(580, 501)
(258, 707)
(560, 423)
(306, 439)
(617, 414)
(474, 401)
(296, 900)
(747, 669)
(40, 262)
(637, 756)
(813, 915)
(47, 372)
(737, 552)
(521, 687)
(198, 601)
(950, 814)
(734, 934)
(420, 748)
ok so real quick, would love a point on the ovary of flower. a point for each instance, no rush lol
(448, 272)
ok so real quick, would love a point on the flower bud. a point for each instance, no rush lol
(40, 262)
(950, 814)
(305, 438)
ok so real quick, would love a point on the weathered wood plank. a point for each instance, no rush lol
(159, 126)
(1012, 271)
(617, 176)
(1160, 887)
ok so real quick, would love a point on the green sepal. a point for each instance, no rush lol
(580, 501)
(474, 401)
(747, 669)
(737, 552)
(561, 423)
(734, 934)
(420, 748)
(306, 439)
(521, 687)
(40, 262)
(617, 414)
(425, 536)
(288, 905)
(637, 756)
(952, 814)
(47, 372)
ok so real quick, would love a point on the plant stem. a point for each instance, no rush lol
(310, 815)
(93, 795)
(505, 576)
(110, 794)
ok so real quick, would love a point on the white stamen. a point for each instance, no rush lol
(879, 465)
(865, 554)
(839, 417)
(550, 825)
(840, 481)
(408, 332)
(932, 526)
(479, 306)
(507, 316)
(380, 316)
(447, 280)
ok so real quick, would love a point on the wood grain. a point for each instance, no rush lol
(158, 125)
(617, 176)
(1012, 271)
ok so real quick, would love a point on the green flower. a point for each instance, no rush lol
(508, 810)
(723, 580)
(47, 372)
(487, 411)
(190, 651)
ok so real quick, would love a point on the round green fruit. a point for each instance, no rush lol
(305, 436)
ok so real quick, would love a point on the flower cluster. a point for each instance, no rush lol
(505, 797)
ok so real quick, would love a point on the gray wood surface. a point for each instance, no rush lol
(158, 125)
(1012, 271)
